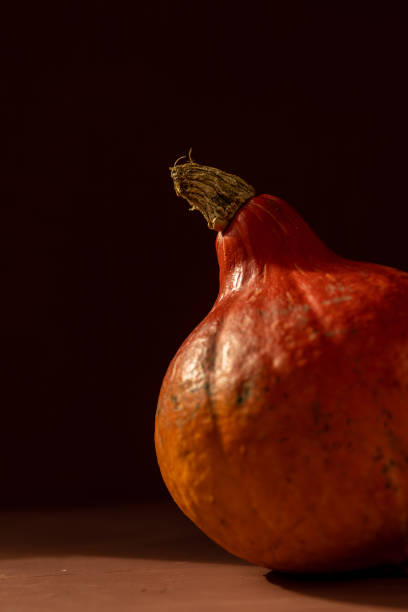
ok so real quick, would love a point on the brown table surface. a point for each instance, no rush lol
(150, 557)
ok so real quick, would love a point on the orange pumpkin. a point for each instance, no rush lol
(282, 422)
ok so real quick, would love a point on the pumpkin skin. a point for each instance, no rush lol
(282, 422)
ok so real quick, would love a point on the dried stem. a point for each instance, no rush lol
(216, 194)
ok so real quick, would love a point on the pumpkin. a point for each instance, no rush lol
(282, 422)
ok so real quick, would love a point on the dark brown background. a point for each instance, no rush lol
(103, 271)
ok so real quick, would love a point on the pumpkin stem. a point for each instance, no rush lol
(216, 194)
